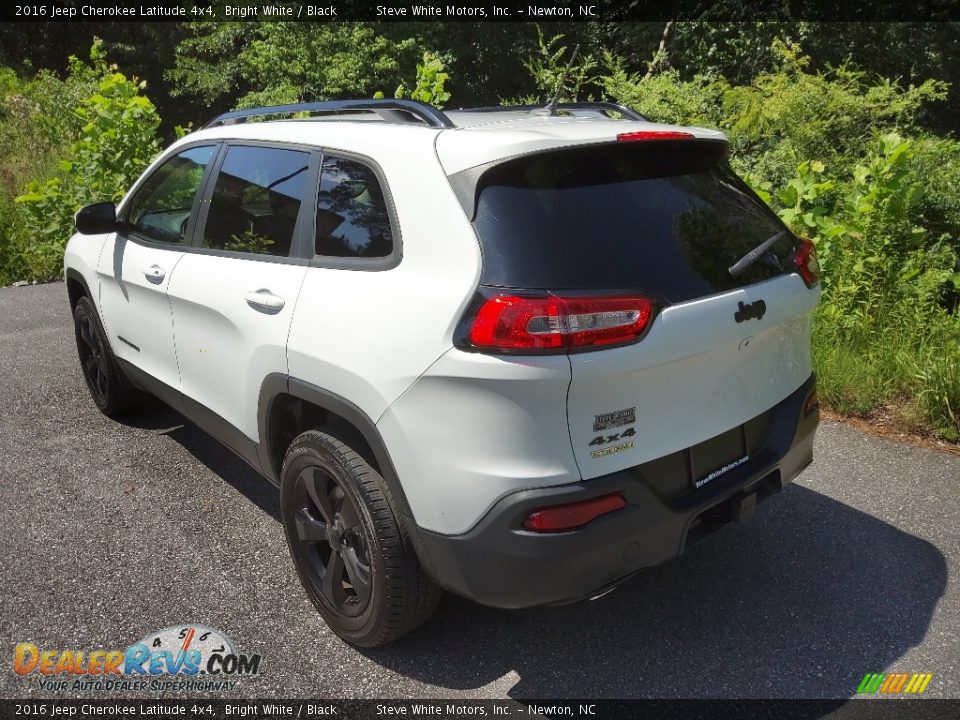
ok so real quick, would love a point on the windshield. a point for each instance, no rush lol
(665, 217)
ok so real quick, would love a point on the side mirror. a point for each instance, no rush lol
(96, 219)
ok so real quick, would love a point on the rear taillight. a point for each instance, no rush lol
(654, 135)
(519, 323)
(805, 259)
(562, 518)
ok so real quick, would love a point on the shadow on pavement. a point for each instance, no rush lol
(158, 416)
(801, 602)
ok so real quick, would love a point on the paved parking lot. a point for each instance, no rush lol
(111, 531)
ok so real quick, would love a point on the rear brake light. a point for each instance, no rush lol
(805, 259)
(512, 322)
(654, 135)
(561, 518)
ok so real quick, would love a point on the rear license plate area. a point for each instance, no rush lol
(717, 456)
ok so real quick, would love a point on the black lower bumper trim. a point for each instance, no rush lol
(498, 563)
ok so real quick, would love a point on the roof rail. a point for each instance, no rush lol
(590, 108)
(394, 110)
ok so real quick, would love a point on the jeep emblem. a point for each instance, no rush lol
(753, 310)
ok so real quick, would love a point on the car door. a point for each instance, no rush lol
(136, 265)
(233, 295)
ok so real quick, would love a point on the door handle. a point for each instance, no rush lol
(264, 301)
(154, 273)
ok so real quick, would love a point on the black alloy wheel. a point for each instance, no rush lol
(349, 544)
(93, 359)
(332, 541)
(112, 396)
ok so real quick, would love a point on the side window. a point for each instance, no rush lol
(352, 217)
(256, 200)
(161, 207)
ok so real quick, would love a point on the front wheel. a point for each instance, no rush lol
(350, 548)
(97, 363)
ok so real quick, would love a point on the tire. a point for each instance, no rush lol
(350, 548)
(111, 395)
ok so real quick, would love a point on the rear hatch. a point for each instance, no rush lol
(662, 219)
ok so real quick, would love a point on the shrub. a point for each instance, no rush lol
(116, 140)
(429, 84)
(256, 64)
(790, 115)
(665, 97)
(885, 328)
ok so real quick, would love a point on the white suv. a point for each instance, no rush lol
(515, 353)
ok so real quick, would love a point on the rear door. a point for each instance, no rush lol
(665, 219)
(234, 294)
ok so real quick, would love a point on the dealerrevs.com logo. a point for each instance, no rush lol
(180, 657)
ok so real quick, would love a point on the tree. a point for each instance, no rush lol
(248, 64)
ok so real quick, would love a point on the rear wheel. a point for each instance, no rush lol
(98, 365)
(350, 548)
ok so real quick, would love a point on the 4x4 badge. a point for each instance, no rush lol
(753, 310)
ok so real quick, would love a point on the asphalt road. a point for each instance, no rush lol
(111, 531)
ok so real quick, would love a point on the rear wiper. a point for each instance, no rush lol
(751, 257)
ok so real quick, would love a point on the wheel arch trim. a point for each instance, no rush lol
(276, 384)
(74, 274)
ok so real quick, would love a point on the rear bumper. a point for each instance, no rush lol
(498, 563)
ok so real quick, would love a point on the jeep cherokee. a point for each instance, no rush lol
(513, 353)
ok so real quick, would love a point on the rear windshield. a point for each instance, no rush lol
(665, 217)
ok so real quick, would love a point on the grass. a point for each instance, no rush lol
(910, 374)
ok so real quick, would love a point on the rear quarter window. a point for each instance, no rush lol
(352, 218)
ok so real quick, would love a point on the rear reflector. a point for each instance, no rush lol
(654, 135)
(561, 518)
(513, 322)
(805, 260)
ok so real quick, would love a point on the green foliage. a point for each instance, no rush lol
(855, 374)
(249, 241)
(939, 381)
(884, 331)
(738, 51)
(37, 126)
(790, 115)
(115, 142)
(664, 97)
(208, 64)
(552, 62)
(10, 265)
(37, 120)
(253, 64)
(878, 260)
(806, 209)
(429, 85)
(938, 158)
